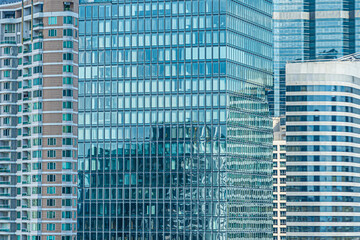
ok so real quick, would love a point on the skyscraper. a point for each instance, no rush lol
(38, 134)
(322, 149)
(279, 179)
(175, 136)
(310, 29)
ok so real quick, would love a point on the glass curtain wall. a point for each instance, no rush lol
(175, 136)
(310, 29)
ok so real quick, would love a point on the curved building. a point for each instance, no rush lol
(311, 29)
(323, 150)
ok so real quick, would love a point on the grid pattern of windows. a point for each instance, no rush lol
(309, 29)
(279, 189)
(322, 128)
(174, 130)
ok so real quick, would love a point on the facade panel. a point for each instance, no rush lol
(175, 136)
(311, 29)
(279, 179)
(322, 149)
(38, 119)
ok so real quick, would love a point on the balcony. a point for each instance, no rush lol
(8, 42)
(27, 50)
(38, 25)
(38, 37)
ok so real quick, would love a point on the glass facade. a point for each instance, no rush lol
(322, 162)
(175, 135)
(310, 29)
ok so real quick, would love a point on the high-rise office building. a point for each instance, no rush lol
(322, 101)
(279, 179)
(175, 136)
(311, 29)
(38, 115)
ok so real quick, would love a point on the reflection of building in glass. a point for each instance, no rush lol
(309, 29)
(38, 119)
(175, 136)
(322, 158)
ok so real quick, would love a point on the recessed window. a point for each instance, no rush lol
(68, 20)
(51, 141)
(68, 32)
(67, 93)
(67, 56)
(67, 117)
(68, 68)
(51, 166)
(67, 44)
(51, 153)
(51, 190)
(67, 80)
(52, 32)
(50, 202)
(52, 20)
(51, 178)
(50, 214)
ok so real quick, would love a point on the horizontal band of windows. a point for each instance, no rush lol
(322, 98)
(322, 209)
(335, 229)
(347, 219)
(322, 108)
(322, 148)
(322, 138)
(313, 188)
(315, 178)
(322, 128)
(322, 118)
(323, 158)
(327, 168)
(316, 236)
(323, 199)
(322, 88)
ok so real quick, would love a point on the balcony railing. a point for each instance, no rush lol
(38, 25)
(8, 42)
